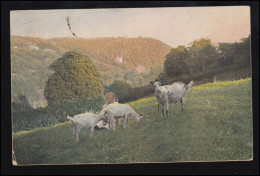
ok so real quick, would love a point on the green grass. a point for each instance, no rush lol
(216, 126)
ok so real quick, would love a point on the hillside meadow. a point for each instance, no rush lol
(216, 125)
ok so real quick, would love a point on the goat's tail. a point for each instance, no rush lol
(71, 120)
(190, 84)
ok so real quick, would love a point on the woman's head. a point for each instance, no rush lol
(110, 97)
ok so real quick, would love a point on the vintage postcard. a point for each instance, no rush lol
(131, 85)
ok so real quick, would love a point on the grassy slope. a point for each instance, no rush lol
(216, 126)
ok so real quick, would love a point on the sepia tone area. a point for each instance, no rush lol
(67, 69)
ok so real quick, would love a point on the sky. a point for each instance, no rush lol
(172, 25)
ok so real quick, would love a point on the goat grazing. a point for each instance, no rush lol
(171, 93)
(117, 111)
(84, 121)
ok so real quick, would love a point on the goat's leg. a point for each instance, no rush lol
(126, 121)
(113, 124)
(166, 108)
(76, 134)
(127, 124)
(162, 109)
(182, 104)
(75, 137)
(91, 131)
(109, 123)
(158, 108)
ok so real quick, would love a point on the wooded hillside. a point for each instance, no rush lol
(136, 60)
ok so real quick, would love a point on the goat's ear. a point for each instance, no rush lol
(152, 82)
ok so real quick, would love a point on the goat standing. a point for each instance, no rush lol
(171, 93)
(84, 121)
(117, 111)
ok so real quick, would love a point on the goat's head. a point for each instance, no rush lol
(140, 118)
(156, 86)
(103, 116)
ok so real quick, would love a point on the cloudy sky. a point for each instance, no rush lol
(173, 26)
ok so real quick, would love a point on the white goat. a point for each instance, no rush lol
(171, 93)
(84, 121)
(117, 111)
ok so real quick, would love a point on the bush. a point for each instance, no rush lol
(120, 88)
(136, 93)
(75, 76)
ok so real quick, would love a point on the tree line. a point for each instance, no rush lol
(201, 62)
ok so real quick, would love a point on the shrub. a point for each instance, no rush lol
(74, 77)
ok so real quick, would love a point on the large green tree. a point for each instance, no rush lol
(201, 54)
(75, 77)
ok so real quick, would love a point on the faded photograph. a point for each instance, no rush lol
(131, 85)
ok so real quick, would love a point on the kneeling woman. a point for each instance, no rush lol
(110, 100)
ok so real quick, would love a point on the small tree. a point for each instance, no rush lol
(120, 88)
(174, 62)
(75, 77)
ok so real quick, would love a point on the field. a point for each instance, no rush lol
(216, 125)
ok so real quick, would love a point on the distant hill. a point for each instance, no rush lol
(136, 60)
